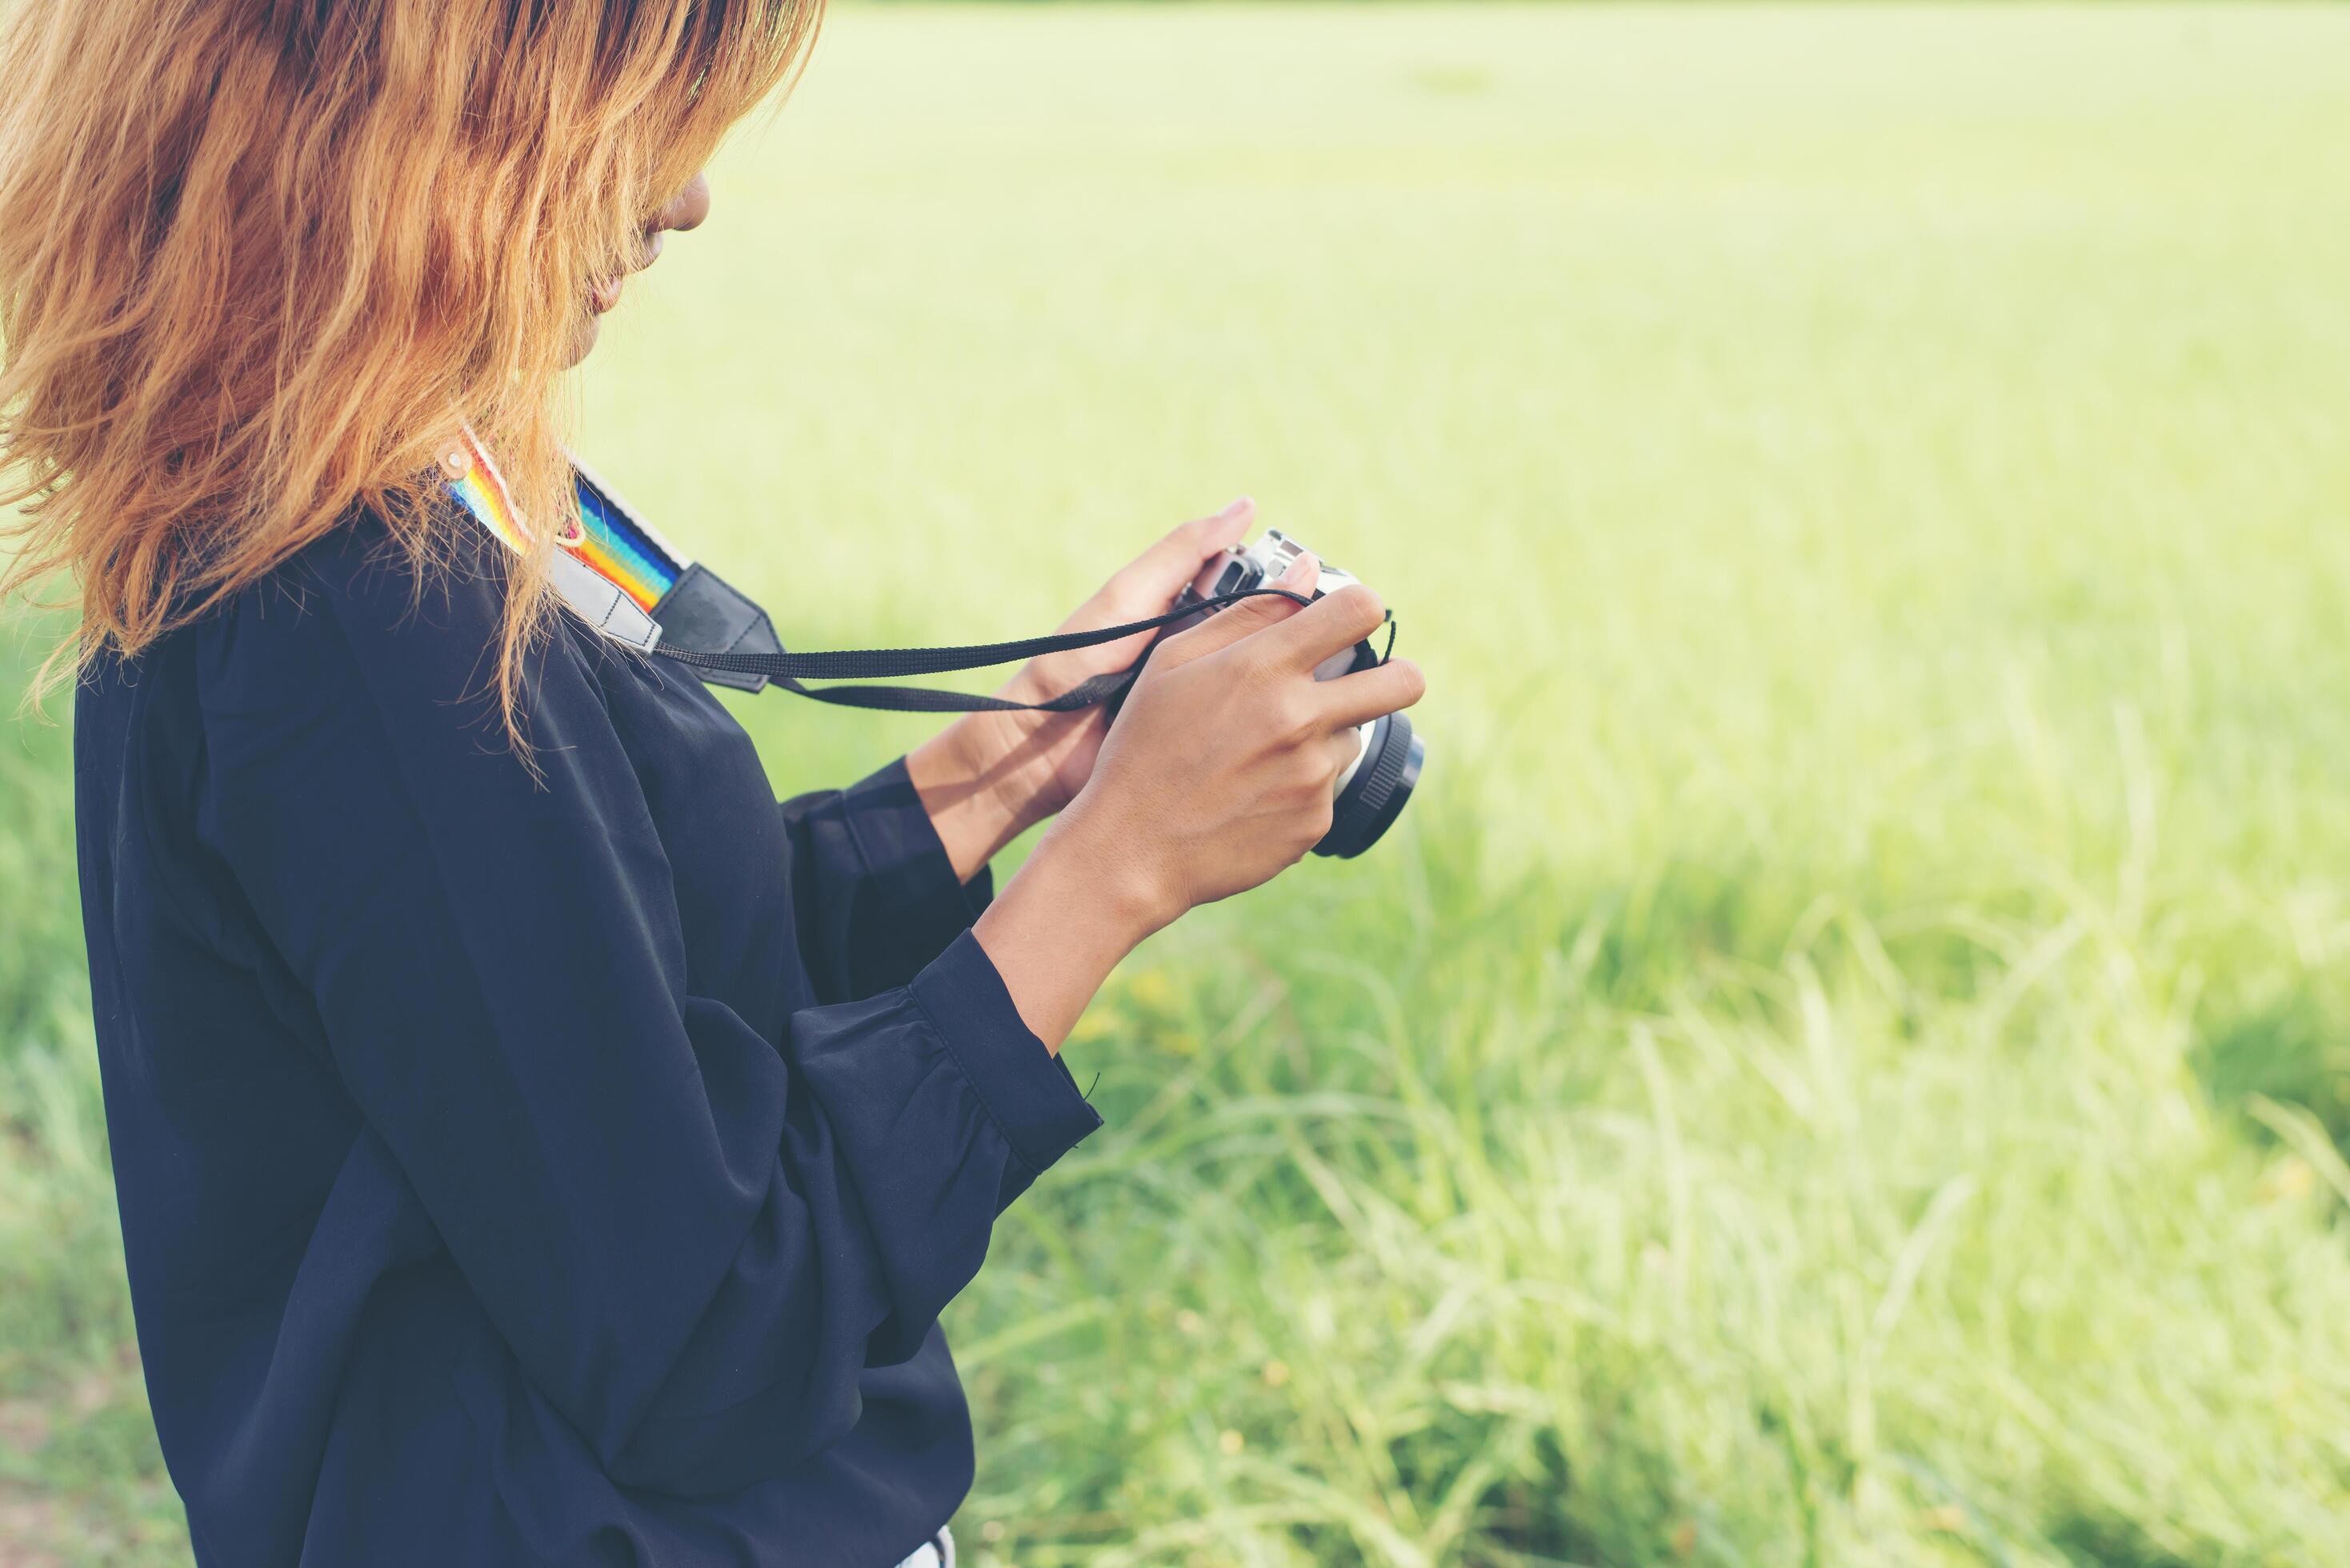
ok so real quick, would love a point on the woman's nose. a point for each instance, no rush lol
(687, 208)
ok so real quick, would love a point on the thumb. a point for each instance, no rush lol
(1228, 626)
(1164, 570)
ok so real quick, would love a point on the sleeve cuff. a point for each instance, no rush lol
(907, 864)
(1027, 1090)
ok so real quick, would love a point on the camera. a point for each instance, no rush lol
(1386, 770)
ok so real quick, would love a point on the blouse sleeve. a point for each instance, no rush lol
(692, 1240)
(874, 893)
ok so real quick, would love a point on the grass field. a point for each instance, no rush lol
(1847, 1061)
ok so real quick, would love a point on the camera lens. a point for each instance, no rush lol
(1374, 796)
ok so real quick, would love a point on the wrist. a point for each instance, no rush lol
(959, 778)
(1065, 921)
(1101, 867)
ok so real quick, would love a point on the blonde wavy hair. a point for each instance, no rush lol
(259, 259)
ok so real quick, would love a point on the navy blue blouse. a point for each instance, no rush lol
(565, 1169)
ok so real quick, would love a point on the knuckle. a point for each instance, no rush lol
(1171, 654)
(1257, 613)
(1294, 718)
(1271, 657)
(1248, 664)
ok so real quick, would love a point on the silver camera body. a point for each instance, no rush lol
(1374, 786)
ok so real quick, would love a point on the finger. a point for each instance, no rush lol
(1367, 694)
(1328, 625)
(1163, 569)
(1233, 622)
(1219, 531)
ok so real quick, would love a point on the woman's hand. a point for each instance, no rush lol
(989, 777)
(1224, 764)
(1219, 772)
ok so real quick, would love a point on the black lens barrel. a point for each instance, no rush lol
(1374, 796)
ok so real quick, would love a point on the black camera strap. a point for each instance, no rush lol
(791, 671)
(617, 573)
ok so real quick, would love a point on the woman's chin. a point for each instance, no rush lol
(583, 337)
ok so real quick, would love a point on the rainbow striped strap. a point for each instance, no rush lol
(620, 546)
(610, 566)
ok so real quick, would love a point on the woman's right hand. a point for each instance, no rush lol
(1219, 773)
(1222, 766)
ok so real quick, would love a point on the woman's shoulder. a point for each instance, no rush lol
(361, 574)
(355, 646)
(357, 617)
(348, 649)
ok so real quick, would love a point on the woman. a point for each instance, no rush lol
(534, 1146)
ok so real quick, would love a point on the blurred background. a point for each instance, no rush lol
(1848, 1057)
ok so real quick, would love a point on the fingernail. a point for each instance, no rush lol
(1234, 508)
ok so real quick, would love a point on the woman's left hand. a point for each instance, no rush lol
(989, 777)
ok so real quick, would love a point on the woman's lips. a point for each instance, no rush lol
(606, 294)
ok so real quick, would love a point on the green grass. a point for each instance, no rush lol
(1844, 1064)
